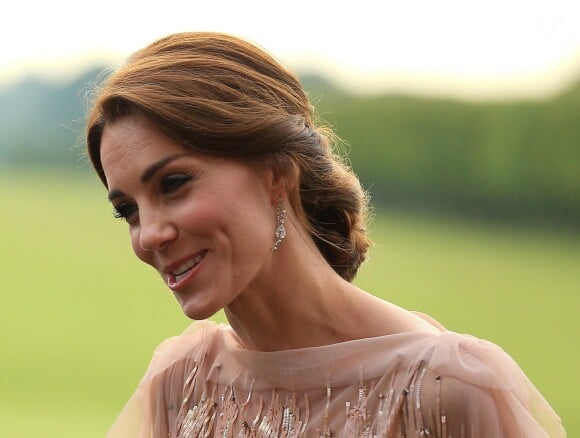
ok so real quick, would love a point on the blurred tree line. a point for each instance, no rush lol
(502, 161)
(506, 161)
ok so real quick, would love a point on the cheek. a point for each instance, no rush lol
(202, 215)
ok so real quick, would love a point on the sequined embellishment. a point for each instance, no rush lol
(394, 411)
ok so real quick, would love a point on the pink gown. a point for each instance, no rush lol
(413, 384)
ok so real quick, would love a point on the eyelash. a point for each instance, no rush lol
(173, 182)
(168, 185)
(124, 212)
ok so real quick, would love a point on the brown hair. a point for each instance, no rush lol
(220, 95)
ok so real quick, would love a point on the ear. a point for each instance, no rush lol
(285, 180)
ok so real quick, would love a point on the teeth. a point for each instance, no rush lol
(180, 276)
(188, 265)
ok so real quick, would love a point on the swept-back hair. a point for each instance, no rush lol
(220, 95)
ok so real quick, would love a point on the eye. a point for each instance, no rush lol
(126, 212)
(171, 183)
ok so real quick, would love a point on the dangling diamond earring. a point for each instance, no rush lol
(280, 232)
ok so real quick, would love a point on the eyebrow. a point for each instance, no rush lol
(149, 173)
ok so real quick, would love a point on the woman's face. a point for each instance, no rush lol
(205, 224)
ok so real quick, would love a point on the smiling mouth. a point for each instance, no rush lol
(182, 272)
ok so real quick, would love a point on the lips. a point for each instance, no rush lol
(179, 273)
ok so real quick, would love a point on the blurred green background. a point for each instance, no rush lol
(476, 223)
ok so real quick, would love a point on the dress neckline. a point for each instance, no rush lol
(314, 367)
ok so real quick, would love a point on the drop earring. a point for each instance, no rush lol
(280, 232)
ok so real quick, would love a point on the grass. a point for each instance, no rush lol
(80, 315)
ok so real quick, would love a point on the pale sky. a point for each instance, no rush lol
(471, 48)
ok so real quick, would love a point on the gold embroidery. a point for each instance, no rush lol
(392, 413)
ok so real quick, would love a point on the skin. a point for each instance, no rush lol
(179, 204)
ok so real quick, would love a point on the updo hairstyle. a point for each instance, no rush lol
(219, 95)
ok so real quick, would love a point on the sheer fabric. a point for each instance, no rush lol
(414, 384)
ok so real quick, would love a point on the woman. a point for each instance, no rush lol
(209, 150)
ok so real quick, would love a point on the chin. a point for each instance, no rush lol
(197, 315)
(196, 312)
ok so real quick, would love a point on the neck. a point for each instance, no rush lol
(299, 302)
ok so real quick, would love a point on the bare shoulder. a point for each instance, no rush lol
(383, 317)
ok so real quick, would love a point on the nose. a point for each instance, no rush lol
(156, 232)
